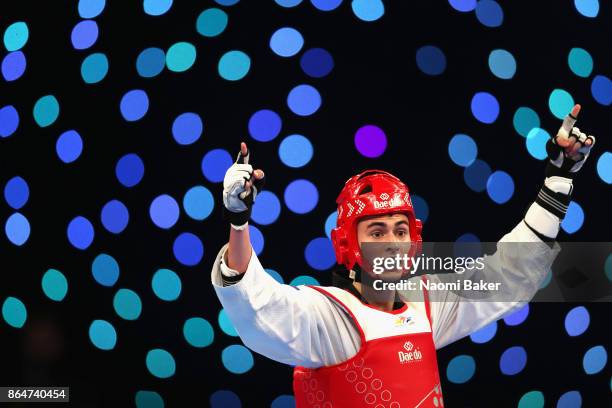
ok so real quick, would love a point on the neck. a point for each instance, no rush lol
(381, 299)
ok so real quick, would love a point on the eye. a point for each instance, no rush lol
(376, 234)
(402, 233)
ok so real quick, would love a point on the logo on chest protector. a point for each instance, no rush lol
(411, 355)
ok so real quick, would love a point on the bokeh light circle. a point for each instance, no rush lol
(84, 34)
(588, 8)
(102, 335)
(304, 100)
(580, 62)
(431, 60)
(94, 68)
(319, 254)
(188, 249)
(211, 22)
(16, 192)
(160, 363)
(127, 304)
(198, 332)
(80, 232)
(301, 196)
(198, 203)
(518, 316)
(105, 270)
(9, 120)
(69, 146)
(134, 105)
(226, 324)
(462, 150)
(571, 399)
(532, 399)
(13, 66)
(129, 170)
(225, 399)
(368, 10)
(524, 120)
(164, 211)
(295, 151)
(560, 103)
(485, 107)
(601, 89)
(577, 321)
(115, 216)
(266, 209)
(370, 141)
(237, 359)
(330, 223)
(148, 399)
(156, 7)
(536, 143)
(46, 110)
(476, 175)
(150, 62)
(484, 334)
(234, 65)
(463, 5)
(460, 369)
(502, 64)
(187, 128)
(595, 359)
(574, 218)
(500, 187)
(489, 13)
(421, 208)
(91, 8)
(215, 163)
(326, 5)
(604, 167)
(513, 360)
(265, 125)
(16, 36)
(180, 56)
(286, 42)
(54, 285)
(304, 280)
(166, 285)
(14, 312)
(317, 62)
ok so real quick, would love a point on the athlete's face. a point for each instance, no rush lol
(381, 236)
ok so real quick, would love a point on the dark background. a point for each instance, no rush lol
(375, 80)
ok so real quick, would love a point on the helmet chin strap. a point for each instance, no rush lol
(355, 273)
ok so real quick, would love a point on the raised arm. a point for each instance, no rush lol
(520, 268)
(292, 325)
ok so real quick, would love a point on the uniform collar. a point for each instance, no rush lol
(341, 279)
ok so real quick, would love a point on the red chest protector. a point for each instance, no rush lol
(395, 367)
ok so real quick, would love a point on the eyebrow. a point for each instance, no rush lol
(383, 224)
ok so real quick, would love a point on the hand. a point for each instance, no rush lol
(569, 149)
(240, 188)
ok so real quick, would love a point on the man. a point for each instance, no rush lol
(353, 345)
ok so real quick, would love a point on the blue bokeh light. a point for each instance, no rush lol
(166, 285)
(105, 270)
(237, 359)
(69, 146)
(489, 13)
(265, 125)
(295, 151)
(198, 203)
(150, 62)
(187, 128)
(266, 209)
(461, 369)
(102, 335)
(84, 34)
(577, 321)
(301, 196)
(462, 150)
(286, 42)
(160, 363)
(129, 170)
(513, 360)
(500, 187)
(16, 192)
(134, 105)
(431, 60)
(304, 100)
(574, 218)
(115, 216)
(164, 211)
(317, 62)
(188, 249)
(9, 120)
(215, 163)
(485, 107)
(80, 232)
(319, 254)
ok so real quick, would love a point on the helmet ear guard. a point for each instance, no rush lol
(341, 245)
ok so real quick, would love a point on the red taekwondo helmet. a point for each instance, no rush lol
(370, 193)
